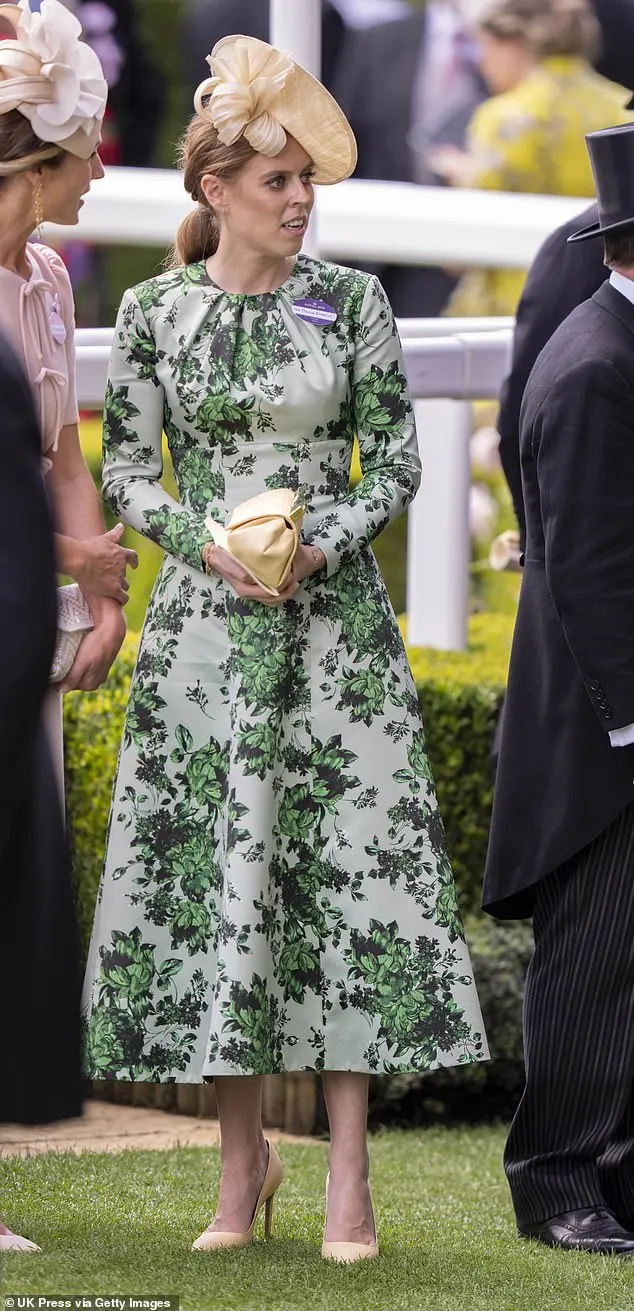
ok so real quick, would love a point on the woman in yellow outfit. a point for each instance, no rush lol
(530, 136)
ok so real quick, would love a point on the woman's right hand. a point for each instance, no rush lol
(99, 564)
(221, 562)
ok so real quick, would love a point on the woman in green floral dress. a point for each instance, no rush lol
(277, 894)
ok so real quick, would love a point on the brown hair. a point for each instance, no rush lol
(619, 249)
(546, 27)
(18, 141)
(201, 151)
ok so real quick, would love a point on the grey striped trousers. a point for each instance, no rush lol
(571, 1144)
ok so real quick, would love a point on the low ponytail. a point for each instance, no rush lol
(196, 239)
(202, 152)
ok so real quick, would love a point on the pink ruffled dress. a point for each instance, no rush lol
(38, 316)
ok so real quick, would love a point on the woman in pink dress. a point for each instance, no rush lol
(50, 125)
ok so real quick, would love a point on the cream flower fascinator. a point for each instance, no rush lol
(263, 95)
(52, 77)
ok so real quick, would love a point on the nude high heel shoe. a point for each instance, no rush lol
(15, 1243)
(348, 1251)
(212, 1239)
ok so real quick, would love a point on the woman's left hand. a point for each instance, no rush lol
(308, 560)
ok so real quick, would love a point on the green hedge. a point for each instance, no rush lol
(461, 696)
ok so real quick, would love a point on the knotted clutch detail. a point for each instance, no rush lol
(263, 535)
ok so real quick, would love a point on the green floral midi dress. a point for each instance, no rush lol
(277, 893)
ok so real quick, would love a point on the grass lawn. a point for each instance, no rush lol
(123, 1224)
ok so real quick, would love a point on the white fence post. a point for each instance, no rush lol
(295, 25)
(438, 546)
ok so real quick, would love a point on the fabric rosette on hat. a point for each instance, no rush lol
(262, 94)
(51, 76)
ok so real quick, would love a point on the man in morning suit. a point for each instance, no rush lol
(562, 274)
(562, 833)
(560, 278)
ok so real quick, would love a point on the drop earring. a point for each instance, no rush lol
(38, 206)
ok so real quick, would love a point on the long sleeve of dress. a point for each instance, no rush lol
(132, 443)
(384, 419)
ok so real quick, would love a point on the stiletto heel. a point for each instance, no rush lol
(347, 1251)
(213, 1239)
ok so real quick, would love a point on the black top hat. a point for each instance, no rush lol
(612, 157)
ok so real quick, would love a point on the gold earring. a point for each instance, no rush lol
(38, 205)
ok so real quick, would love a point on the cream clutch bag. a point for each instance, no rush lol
(263, 536)
(74, 620)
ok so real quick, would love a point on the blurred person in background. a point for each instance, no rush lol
(406, 86)
(131, 127)
(39, 957)
(562, 274)
(136, 86)
(207, 21)
(530, 136)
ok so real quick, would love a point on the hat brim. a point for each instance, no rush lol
(597, 230)
(309, 114)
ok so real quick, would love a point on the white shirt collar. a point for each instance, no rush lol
(624, 285)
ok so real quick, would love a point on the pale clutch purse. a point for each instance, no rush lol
(263, 536)
(74, 620)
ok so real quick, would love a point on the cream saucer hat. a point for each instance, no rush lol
(262, 94)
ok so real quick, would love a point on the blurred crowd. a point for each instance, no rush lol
(496, 94)
(491, 94)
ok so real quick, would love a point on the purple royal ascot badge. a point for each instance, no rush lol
(58, 327)
(315, 311)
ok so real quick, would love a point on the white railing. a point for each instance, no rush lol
(445, 373)
(390, 222)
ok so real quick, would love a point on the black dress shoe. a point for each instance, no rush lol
(594, 1229)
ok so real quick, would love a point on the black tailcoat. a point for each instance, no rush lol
(560, 278)
(39, 968)
(560, 782)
